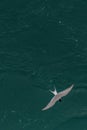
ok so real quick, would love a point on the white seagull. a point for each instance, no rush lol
(57, 96)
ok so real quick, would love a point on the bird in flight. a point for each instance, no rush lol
(57, 97)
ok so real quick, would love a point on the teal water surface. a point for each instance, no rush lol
(43, 43)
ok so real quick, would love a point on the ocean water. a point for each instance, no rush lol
(43, 43)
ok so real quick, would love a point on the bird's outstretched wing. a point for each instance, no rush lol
(66, 91)
(51, 103)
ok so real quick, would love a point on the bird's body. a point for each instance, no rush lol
(57, 97)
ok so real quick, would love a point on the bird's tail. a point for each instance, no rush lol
(54, 92)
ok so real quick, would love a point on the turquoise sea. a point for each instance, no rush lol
(43, 43)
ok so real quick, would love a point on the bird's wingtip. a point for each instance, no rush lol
(43, 109)
(72, 85)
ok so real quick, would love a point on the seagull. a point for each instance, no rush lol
(57, 96)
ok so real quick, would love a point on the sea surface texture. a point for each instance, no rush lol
(43, 43)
